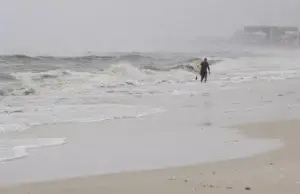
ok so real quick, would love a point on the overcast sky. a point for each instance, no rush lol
(66, 26)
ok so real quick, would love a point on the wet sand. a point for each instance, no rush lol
(272, 172)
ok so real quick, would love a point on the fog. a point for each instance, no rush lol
(61, 27)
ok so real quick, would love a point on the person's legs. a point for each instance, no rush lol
(205, 79)
(202, 77)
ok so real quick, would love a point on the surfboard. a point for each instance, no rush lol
(197, 66)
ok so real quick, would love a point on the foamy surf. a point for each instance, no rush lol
(17, 121)
(126, 75)
(12, 149)
(40, 115)
(116, 76)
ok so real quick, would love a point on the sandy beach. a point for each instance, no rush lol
(272, 172)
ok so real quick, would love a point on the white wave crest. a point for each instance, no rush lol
(117, 75)
(18, 148)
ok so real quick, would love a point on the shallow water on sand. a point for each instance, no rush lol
(190, 130)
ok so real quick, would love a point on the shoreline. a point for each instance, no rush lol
(275, 171)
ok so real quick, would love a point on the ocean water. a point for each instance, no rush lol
(44, 99)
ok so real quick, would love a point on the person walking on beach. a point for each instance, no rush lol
(204, 69)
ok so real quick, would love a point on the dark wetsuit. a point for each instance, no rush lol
(203, 71)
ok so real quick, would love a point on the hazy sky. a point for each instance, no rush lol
(74, 26)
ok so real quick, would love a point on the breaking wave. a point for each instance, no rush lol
(18, 91)
(117, 56)
(140, 59)
(116, 75)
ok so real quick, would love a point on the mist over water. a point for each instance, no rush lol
(74, 28)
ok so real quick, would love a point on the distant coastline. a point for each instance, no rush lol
(268, 35)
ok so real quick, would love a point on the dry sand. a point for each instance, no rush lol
(274, 172)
